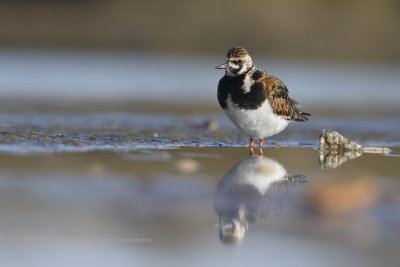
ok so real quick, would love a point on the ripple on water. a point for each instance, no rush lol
(23, 133)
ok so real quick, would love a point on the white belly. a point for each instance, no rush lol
(259, 123)
(256, 171)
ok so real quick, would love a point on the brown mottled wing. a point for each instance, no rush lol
(276, 192)
(278, 97)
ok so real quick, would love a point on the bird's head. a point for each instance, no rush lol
(231, 230)
(238, 62)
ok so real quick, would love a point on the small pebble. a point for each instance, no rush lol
(211, 125)
(97, 169)
(343, 197)
(78, 143)
(187, 165)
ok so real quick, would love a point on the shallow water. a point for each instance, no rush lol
(70, 208)
(145, 188)
(118, 131)
(79, 75)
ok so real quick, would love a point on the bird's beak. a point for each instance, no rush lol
(223, 66)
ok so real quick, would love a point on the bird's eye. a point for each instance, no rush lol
(240, 61)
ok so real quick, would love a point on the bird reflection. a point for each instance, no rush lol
(250, 192)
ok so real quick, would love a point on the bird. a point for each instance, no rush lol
(251, 192)
(256, 101)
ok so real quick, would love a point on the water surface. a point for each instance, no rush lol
(140, 188)
(79, 75)
(142, 207)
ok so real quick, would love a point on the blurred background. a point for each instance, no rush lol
(356, 30)
(327, 52)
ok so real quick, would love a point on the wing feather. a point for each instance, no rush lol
(278, 97)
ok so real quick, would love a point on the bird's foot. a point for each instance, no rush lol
(251, 146)
(261, 153)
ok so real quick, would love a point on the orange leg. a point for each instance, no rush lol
(251, 146)
(261, 153)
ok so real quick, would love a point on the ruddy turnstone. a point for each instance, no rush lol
(255, 101)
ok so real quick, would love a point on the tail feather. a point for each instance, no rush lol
(302, 116)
